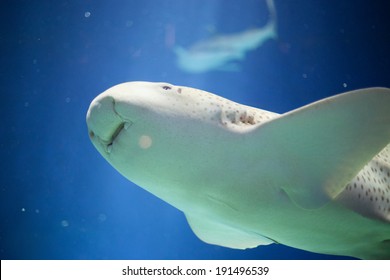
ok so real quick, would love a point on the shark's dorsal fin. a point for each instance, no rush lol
(329, 142)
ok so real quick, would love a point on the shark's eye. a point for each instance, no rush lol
(166, 87)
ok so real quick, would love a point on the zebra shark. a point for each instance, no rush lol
(316, 178)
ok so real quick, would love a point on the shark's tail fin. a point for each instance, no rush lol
(273, 18)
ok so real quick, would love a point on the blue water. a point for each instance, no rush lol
(59, 198)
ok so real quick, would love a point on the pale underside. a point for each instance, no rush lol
(316, 178)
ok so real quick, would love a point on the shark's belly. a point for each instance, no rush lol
(331, 229)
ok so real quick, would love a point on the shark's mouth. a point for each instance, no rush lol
(122, 126)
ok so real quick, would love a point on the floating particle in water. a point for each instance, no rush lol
(345, 85)
(87, 14)
(23, 209)
(64, 223)
(102, 217)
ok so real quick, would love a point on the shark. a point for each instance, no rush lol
(315, 178)
(220, 52)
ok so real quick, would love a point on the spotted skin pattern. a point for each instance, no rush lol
(369, 191)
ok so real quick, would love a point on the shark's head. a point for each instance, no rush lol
(158, 109)
(149, 108)
(143, 128)
(130, 110)
(124, 106)
(153, 133)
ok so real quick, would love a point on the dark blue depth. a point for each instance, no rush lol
(59, 199)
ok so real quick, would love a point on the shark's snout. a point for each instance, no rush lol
(104, 123)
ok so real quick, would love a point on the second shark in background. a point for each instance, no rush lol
(220, 52)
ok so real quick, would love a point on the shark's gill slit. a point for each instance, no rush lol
(246, 118)
(238, 118)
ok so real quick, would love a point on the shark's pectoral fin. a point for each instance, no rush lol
(220, 234)
(322, 146)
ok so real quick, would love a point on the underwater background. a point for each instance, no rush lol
(59, 199)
